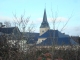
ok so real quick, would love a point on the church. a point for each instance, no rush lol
(48, 37)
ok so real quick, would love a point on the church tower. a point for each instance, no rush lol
(44, 25)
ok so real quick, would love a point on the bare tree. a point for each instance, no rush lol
(54, 19)
(24, 26)
(21, 22)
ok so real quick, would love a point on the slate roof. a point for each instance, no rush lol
(58, 41)
(49, 33)
(73, 42)
(32, 37)
(60, 38)
(76, 38)
(7, 30)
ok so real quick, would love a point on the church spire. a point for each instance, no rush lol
(44, 23)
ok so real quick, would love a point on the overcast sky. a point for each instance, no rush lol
(62, 10)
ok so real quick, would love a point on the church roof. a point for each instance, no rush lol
(53, 33)
(44, 22)
(57, 41)
(49, 33)
(60, 38)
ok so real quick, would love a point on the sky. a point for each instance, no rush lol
(61, 10)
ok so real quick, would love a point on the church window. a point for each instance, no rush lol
(42, 31)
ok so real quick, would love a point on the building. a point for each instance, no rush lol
(48, 37)
(12, 32)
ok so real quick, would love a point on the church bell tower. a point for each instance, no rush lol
(44, 25)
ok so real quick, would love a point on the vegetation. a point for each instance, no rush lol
(9, 53)
(12, 53)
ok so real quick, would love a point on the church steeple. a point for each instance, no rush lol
(44, 23)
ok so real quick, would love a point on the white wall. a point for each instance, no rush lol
(43, 30)
(40, 40)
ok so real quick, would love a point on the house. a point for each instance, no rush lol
(10, 35)
(11, 32)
